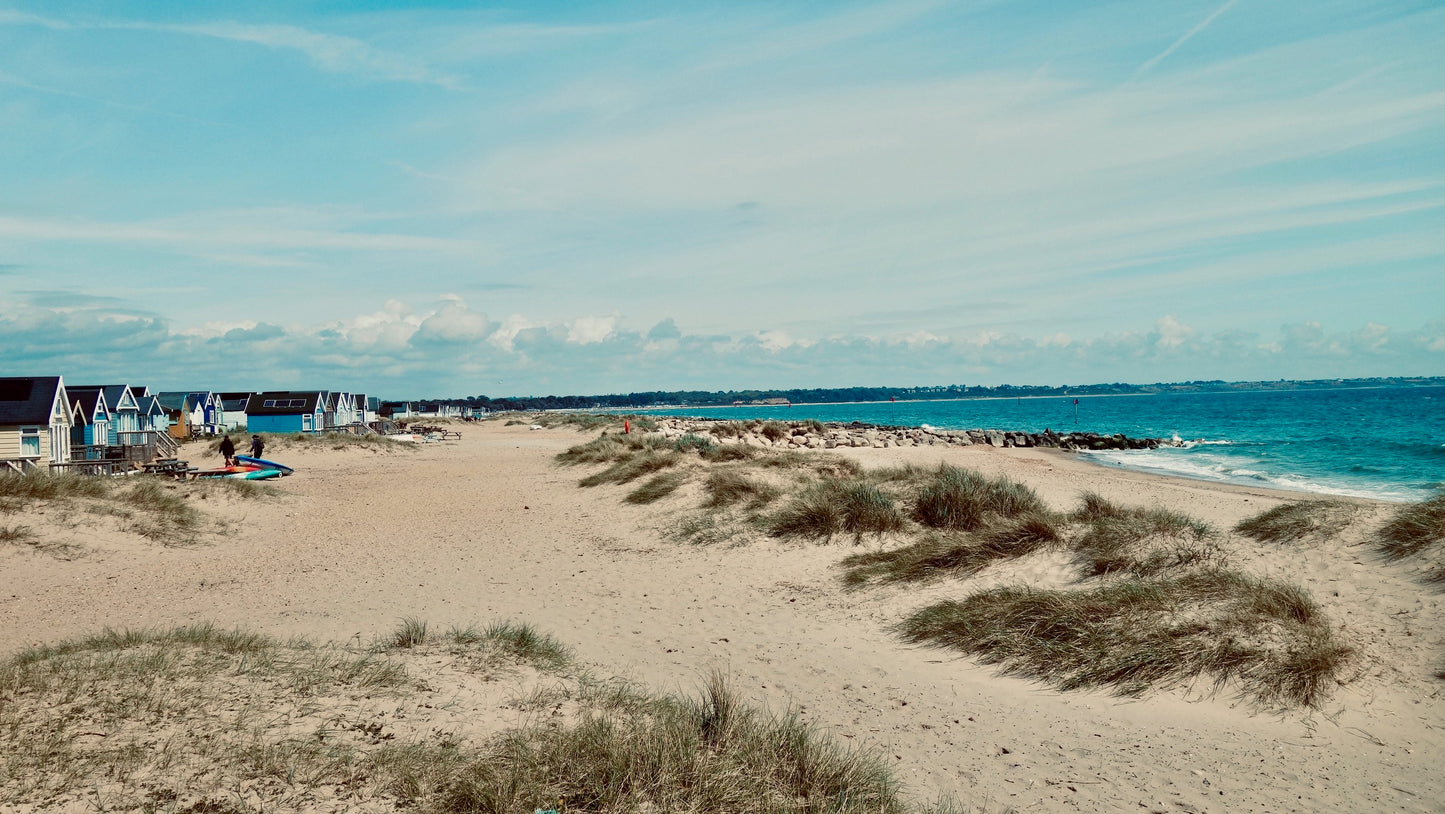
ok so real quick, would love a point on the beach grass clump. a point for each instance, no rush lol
(16, 534)
(199, 718)
(833, 506)
(609, 448)
(82, 715)
(821, 464)
(727, 487)
(775, 430)
(939, 556)
(1293, 522)
(410, 632)
(18, 489)
(632, 752)
(656, 488)
(690, 442)
(1264, 637)
(161, 513)
(963, 500)
(727, 453)
(1415, 530)
(630, 469)
(525, 643)
(1141, 541)
(729, 429)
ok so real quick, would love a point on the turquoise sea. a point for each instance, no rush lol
(1386, 443)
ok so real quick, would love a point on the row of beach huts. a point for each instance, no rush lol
(45, 423)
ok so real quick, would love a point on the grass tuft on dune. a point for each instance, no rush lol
(198, 718)
(1417, 530)
(1295, 522)
(1134, 635)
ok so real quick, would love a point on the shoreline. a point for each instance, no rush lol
(490, 527)
(1089, 456)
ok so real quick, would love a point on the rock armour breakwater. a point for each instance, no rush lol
(820, 435)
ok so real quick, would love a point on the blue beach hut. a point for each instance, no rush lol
(286, 411)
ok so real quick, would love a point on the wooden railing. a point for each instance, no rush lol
(19, 465)
(161, 444)
(132, 447)
(106, 467)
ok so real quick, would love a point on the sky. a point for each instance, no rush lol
(449, 199)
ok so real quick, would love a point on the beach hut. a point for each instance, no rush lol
(34, 422)
(346, 409)
(231, 410)
(365, 407)
(123, 425)
(188, 413)
(204, 413)
(328, 400)
(152, 415)
(287, 411)
(90, 419)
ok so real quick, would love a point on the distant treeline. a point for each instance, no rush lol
(834, 395)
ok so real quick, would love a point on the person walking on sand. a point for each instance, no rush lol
(257, 446)
(228, 450)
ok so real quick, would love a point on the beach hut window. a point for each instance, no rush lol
(30, 442)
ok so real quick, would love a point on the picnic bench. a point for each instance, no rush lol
(170, 468)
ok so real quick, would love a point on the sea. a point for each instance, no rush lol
(1385, 443)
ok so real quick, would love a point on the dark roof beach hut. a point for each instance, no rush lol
(287, 411)
(124, 420)
(34, 422)
(231, 409)
(90, 424)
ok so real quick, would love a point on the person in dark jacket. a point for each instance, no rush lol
(228, 450)
(257, 446)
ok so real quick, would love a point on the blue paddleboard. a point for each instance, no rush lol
(247, 459)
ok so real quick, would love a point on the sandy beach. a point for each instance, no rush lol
(490, 527)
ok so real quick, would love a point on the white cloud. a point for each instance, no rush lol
(591, 330)
(506, 333)
(1171, 333)
(451, 350)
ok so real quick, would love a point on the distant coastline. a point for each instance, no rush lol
(702, 399)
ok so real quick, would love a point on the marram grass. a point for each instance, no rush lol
(274, 724)
(1265, 638)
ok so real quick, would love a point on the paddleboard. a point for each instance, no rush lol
(262, 462)
(243, 472)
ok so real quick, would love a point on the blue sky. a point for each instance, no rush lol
(452, 199)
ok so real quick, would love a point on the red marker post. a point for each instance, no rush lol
(626, 427)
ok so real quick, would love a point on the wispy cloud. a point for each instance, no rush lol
(332, 53)
(212, 236)
(1150, 63)
(329, 52)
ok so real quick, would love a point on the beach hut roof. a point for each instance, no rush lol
(117, 396)
(173, 400)
(284, 402)
(90, 401)
(30, 399)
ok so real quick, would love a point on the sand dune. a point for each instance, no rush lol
(489, 527)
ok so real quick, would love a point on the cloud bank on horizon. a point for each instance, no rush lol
(608, 197)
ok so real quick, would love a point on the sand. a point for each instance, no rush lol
(489, 527)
